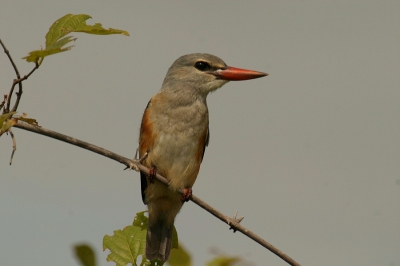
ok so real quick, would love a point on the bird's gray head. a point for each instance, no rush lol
(195, 71)
(204, 73)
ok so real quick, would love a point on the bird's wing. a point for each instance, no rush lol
(145, 134)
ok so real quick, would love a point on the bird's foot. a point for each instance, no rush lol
(134, 166)
(187, 194)
(152, 174)
(233, 221)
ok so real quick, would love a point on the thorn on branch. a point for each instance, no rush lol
(233, 221)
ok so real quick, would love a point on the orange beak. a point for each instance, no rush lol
(233, 73)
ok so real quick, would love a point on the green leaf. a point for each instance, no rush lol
(179, 257)
(85, 255)
(140, 220)
(128, 244)
(125, 245)
(4, 117)
(63, 26)
(99, 30)
(6, 123)
(56, 48)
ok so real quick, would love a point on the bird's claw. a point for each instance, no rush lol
(187, 194)
(132, 166)
(233, 221)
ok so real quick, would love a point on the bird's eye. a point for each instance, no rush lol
(202, 66)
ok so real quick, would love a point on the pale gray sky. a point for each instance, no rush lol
(310, 155)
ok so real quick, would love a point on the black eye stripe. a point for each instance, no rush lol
(202, 66)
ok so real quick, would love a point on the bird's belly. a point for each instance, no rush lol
(176, 156)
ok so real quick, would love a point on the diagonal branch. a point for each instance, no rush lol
(233, 222)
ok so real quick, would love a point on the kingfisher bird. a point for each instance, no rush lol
(174, 134)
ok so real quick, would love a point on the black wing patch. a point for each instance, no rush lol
(143, 183)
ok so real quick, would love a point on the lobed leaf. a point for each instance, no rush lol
(55, 37)
(63, 26)
(125, 245)
(34, 56)
(128, 244)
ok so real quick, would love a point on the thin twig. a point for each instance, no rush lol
(7, 109)
(16, 81)
(4, 101)
(10, 58)
(233, 222)
(19, 93)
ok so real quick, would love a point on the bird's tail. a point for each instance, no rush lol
(159, 241)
